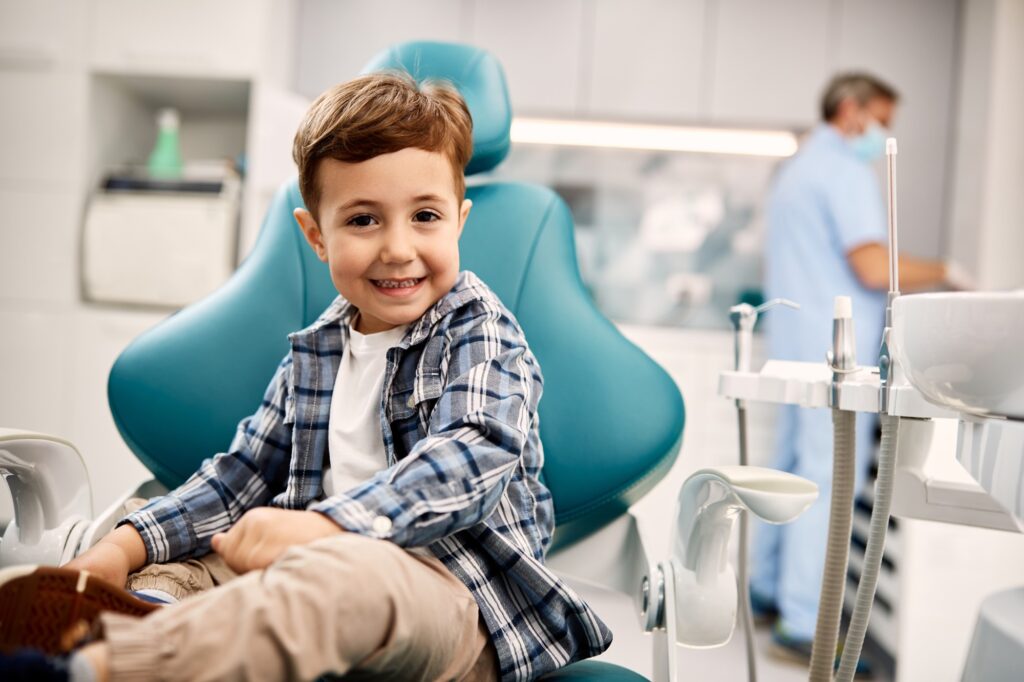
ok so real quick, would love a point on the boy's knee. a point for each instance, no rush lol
(346, 561)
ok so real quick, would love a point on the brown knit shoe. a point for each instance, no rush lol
(52, 609)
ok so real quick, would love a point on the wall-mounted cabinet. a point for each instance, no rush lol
(767, 61)
(227, 38)
(541, 44)
(646, 59)
(42, 34)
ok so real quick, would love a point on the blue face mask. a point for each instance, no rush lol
(869, 145)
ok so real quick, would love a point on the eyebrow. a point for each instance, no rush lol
(375, 204)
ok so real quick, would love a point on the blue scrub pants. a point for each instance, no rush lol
(788, 560)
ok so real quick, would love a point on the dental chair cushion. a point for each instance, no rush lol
(478, 77)
(594, 671)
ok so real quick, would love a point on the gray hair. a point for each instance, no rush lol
(862, 87)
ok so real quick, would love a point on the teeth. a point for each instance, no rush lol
(396, 283)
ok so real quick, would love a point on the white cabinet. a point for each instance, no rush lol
(769, 61)
(539, 44)
(42, 121)
(223, 38)
(646, 59)
(37, 260)
(339, 37)
(875, 36)
(35, 357)
(41, 33)
(100, 335)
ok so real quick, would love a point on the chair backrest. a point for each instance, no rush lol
(611, 418)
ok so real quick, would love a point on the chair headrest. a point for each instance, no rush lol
(480, 80)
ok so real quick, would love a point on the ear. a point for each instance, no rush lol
(311, 231)
(464, 213)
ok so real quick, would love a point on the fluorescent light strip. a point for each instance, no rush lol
(656, 137)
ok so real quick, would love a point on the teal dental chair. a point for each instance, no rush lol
(611, 419)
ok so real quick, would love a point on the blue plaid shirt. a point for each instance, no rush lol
(460, 424)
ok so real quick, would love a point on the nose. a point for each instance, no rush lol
(398, 246)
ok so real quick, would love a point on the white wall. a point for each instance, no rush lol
(731, 62)
(987, 232)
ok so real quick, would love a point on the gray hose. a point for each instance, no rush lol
(746, 615)
(873, 554)
(833, 581)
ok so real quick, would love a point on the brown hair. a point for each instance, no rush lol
(380, 113)
(862, 87)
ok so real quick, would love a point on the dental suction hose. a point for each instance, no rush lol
(873, 554)
(842, 358)
(884, 483)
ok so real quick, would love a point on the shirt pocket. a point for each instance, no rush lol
(409, 410)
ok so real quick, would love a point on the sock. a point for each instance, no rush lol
(80, 669)
(152, 594)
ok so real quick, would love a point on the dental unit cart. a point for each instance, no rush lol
(950, 363)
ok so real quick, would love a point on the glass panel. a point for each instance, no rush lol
(663, 238)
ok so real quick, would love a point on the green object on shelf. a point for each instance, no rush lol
(165, 159)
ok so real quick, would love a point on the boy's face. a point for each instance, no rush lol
(389, 229)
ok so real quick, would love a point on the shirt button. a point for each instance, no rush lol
(382, 525)
(411, 402)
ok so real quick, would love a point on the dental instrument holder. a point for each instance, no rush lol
(52, 507)
(744, 317)
(693, 595)
(842, 359)
(887, 368)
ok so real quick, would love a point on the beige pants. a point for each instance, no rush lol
(344, 605)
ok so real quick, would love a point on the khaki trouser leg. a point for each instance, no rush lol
(341, 605)
(183, 579)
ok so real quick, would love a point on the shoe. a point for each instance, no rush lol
(53, 609)
(786, 647)
(763, 610)
(32, 666)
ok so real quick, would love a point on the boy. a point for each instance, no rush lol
(383, 505)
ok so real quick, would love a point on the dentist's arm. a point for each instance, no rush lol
(870, 263)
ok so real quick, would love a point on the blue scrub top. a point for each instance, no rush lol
(824, 202)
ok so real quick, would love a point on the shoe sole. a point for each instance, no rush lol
(49, 609)
(787, 655)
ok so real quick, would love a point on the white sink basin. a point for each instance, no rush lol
(964, 351)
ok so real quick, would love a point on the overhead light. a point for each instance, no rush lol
(774, 143)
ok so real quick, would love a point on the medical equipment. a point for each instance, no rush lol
(943, 356)
(744, 317)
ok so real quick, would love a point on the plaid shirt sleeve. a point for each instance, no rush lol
(455, 476)
(181, 523)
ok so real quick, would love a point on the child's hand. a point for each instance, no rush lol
(263, 534)
(114, 557)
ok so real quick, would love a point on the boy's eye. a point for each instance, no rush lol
(426, 217)
(361, 220)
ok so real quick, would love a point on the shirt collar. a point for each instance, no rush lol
(828, 135)
(468, 287)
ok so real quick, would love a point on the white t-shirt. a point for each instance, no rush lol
(355, 441)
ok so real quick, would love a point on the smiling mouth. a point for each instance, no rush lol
(397, 283)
